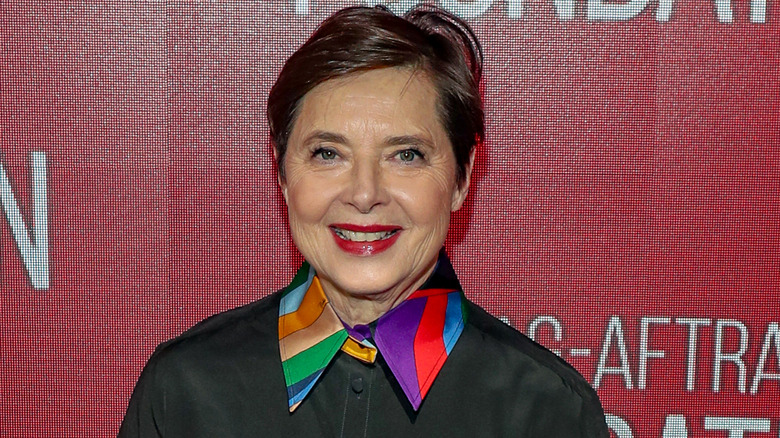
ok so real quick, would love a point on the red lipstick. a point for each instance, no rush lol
(365, 248)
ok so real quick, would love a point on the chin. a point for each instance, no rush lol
(364, 283)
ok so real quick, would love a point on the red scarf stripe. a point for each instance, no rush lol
(429, 350)
(428, 292)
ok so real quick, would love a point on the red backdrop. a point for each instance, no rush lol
(625, 209)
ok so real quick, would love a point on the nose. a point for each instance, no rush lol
(367, 186)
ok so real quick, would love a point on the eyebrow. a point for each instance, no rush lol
(398, 140)
(413, 140)
(330, 137)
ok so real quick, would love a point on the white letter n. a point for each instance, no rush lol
(35, 252)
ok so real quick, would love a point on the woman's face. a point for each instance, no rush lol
(371, 182)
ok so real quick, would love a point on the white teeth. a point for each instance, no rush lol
(356, 236)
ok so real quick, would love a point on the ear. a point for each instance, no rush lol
(459, 195)
(279, 178)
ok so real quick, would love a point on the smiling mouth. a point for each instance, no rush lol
(359, 236)
(365, 240)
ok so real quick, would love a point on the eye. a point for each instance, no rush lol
(409, 155)
(325, 154)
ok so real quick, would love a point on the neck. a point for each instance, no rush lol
(356, 309)
(362, 310)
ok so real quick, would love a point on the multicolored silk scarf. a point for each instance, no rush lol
(415, 338)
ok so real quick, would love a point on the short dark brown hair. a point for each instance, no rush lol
(357, 39)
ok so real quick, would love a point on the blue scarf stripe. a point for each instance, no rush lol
(292, 300)
(453, 320)
(298, 391)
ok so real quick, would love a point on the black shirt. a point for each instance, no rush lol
(223, 378)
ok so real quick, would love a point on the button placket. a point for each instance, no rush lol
(358, 401)
(357, 385)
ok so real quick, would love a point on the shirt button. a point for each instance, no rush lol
(357, 385)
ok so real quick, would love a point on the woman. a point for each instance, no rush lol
(374, 122)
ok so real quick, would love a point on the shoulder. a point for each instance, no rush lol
(497, 334)
(211, 375)
(229, 331)
(225, 323)
(532, 371)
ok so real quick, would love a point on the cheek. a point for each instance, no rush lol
(310, 197)
(306, 201)
(427, 201)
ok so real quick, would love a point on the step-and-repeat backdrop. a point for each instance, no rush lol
(625, 210)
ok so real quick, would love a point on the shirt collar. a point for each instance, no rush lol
(415, 338)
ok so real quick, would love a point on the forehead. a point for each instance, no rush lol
(393, 98)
